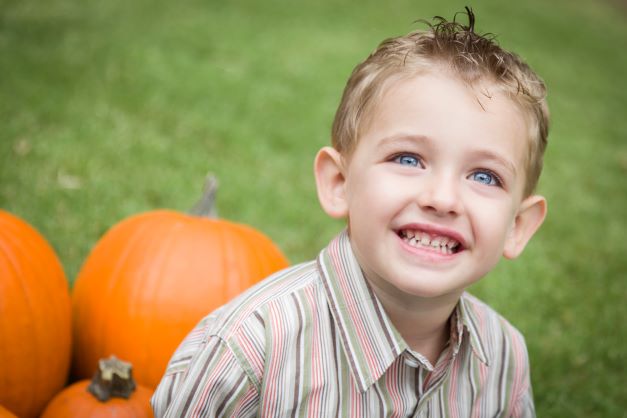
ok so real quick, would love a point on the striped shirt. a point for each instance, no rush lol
(314, 341)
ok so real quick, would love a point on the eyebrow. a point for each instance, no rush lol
(498, 159)
(404, 138)
(485, 154)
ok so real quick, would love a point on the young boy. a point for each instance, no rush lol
(437, 148)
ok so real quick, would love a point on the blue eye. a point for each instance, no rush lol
(406, 159)
(486, 177)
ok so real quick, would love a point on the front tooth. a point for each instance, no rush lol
(435, 243)
(412, 241)
(425, 240)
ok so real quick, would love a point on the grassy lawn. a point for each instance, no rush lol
(113, 108)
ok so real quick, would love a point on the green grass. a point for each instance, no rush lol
(113, 108)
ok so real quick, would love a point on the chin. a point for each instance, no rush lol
(425, 293)
(429, 291)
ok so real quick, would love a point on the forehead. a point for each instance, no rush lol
(443, 107)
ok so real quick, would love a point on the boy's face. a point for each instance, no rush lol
(433, 191)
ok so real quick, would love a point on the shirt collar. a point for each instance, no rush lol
(369, 339)
(472, 321)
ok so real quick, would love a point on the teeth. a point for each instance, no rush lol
(442, 244)
(452, 244)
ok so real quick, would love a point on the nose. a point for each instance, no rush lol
(440, 195)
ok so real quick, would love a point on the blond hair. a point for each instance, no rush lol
(471, 57)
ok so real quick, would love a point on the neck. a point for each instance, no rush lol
(422, 322)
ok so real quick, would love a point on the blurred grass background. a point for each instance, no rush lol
(112, 108)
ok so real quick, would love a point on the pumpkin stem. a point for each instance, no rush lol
(206, 205)
(114, 378)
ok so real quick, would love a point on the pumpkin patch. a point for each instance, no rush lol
(35, 319)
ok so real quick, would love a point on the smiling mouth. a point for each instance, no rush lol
(424, 240)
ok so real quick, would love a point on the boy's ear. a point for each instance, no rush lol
(330, 181)
(530, 216)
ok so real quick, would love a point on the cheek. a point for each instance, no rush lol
(372, 192)
(492, 225)
(373, 204)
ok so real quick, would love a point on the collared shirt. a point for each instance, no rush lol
(314, 341)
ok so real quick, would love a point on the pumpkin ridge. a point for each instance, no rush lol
(151, 277)
(30, 311)
(82, 287)
(262, 263)
(227, 259)
(57, 309)
(254, 253)
(120, 286)
(35, 263)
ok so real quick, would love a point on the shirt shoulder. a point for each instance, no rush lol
(490, 326)
(253, 303)
(504, 347)
(505, 351)
(240, 325)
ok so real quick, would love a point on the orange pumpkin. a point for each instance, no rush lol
(153, 276)
(35, 319)
(5, 413)
(111, 393)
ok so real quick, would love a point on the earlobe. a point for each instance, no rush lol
(330, 180)
(529, 218)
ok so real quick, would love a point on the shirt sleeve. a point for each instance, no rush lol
(204, 379)
(524, 407)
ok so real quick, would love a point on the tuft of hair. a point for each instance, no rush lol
(466, 54)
